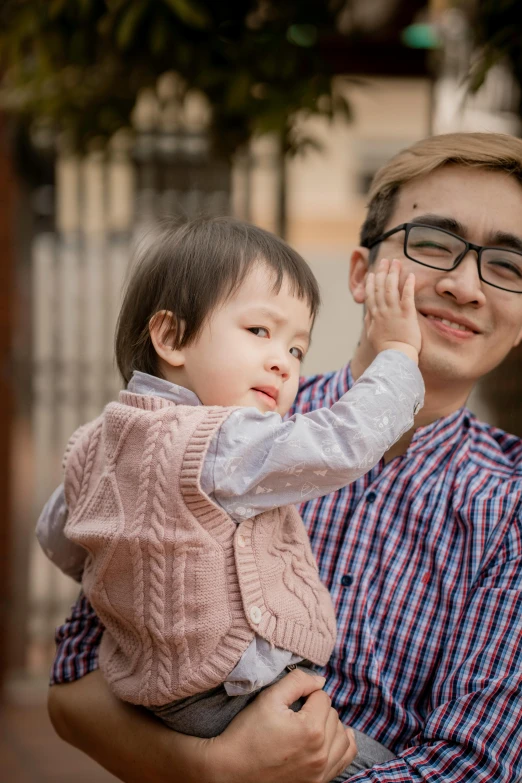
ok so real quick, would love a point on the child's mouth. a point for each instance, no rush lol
(268, 397)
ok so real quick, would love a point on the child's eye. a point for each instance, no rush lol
(259, 331)
(298, 353)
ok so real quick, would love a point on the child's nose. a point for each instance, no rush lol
(280, 366)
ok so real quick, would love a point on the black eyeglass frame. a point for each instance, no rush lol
(406, 227)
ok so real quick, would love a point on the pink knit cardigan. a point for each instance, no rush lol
(180, 587)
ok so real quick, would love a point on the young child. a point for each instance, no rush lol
(177, 500)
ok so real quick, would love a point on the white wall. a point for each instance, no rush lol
(326, 204)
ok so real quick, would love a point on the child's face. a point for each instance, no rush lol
(250, 350)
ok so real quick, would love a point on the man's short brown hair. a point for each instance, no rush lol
(493, 151)
(188, 269)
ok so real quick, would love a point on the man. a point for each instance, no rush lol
(422, 556)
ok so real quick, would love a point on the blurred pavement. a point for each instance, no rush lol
(31, 752)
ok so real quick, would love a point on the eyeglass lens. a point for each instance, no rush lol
(435, 248)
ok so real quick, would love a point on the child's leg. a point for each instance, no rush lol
(369, 753)
(205, 714)
(208, 714)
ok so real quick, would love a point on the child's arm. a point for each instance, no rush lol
(69, 557)
(262, 462)
(258, 462)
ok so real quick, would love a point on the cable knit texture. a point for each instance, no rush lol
(180, 587)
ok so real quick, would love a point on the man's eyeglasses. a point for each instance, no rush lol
(440, 249)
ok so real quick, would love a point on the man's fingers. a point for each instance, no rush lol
(351, 751)
(343, 751)
(334, 729)
(295, 685)
(316, 708)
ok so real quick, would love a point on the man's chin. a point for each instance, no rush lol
(443, 369)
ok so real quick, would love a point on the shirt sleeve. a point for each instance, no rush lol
(259, 462)
(68, 556)
(77, 644)
(473, 732)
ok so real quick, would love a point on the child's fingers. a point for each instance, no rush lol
(380, 283)
(370, 292)
(408, 293)
(392, 295)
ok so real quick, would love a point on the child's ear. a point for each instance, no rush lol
(163, 330)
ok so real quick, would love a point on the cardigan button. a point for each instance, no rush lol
(255, 614)
(241, 541)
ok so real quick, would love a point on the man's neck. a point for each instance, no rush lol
(440, 400)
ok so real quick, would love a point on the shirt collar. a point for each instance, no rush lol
(143, 383)
(444, 432)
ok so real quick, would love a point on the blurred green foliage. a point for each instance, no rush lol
(497, 33)
(81, 63)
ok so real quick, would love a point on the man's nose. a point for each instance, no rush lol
(463, 284)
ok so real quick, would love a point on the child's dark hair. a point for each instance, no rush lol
(188, 269)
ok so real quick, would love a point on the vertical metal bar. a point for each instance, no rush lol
(280, 194)
(121, 195)
(41, 577)
(94, 336)
(7, 200)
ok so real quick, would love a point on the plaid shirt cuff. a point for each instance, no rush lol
(77, 643)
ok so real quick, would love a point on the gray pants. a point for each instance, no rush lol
(369, 753)
(208, 714)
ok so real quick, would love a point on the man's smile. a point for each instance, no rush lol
(450, 324)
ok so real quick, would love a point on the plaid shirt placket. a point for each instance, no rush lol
(422, 557)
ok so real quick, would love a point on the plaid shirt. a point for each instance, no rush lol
(423, 558)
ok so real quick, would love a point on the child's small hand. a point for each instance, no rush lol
(391, 319)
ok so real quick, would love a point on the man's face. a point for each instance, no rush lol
(484, 322)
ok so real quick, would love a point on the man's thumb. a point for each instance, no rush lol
(295, 685)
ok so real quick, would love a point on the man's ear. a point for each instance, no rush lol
(358, 270)
(163, 330)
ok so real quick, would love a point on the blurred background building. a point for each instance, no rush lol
(69, 220)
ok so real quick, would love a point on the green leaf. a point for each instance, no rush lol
(238, 93)
(56, 7)
(302, 34)
(85, 7)
(273, 119)
(129, 23)
(190, 12)
(158, 36)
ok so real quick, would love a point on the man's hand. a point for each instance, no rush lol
(269, 743)
(265, 743)
(391, 319)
